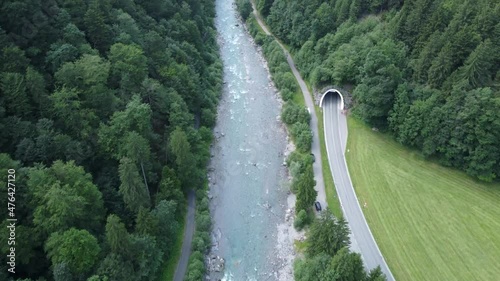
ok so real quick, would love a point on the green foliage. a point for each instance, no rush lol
(328, 255)
(164, 213)
(328, 235)
(264, 6)
(376, 275)
(302, 136)
(117, 235)
(293, 113)
(306, 194)
(476, 71)
(301, 220)
(90, 92)
(15, 99)
(136, 117)
(88, 71)
(78, 248)
(65, 197)
(348, 266)
(96, 26)
(196, 267)
(13, 59)
(201, 239)
(316, 268)
(132, 187)
(146, 255)
(380, 78)
(170, 187)
(68, 112)
(116, 268)
(128, 66)
(244, 8)
(184, 159)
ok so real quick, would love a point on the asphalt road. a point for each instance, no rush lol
(182, 265)
(335, 127)
(361, 237)
(315, 147)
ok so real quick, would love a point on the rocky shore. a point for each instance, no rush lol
(250, 201)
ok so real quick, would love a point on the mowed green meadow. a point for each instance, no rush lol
(430, 222)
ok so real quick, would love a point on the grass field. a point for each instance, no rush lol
(430, 222)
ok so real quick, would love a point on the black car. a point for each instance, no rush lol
(317, 205)
(313, 157)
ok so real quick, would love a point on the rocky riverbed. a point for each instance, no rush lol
(251, 206)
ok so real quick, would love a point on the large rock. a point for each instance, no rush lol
(216, 263)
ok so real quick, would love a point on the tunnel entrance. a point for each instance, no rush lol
(332, 92)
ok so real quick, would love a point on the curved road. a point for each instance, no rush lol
(182, 264)
(362, 240)
(315, 147)
(336, 135)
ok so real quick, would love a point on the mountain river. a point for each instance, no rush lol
(249, 189)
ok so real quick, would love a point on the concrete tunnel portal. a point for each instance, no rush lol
(332, 92)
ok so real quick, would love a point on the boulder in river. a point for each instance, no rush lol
(216, 263)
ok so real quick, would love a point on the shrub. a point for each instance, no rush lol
(301, 220)
(286, 94)
(244, 8)
(293, 113)
(302, 135)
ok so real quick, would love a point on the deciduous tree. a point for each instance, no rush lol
(77, 248)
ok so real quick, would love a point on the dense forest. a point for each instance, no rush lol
(106, 110)
(427, 72)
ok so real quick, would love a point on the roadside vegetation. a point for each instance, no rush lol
(327, 256)
(168, 269)
(106, 110)
(431, 222)
(201, 238)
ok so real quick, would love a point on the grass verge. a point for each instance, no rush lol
(298, 98)
(171, 264)
(300, 246)
(430, 222)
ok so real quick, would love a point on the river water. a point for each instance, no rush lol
(248, 186)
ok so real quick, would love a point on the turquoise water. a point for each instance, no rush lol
(247, 178)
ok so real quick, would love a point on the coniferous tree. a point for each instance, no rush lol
(306, 194)
(132, 187)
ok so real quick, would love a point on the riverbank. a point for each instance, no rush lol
(249, 187)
